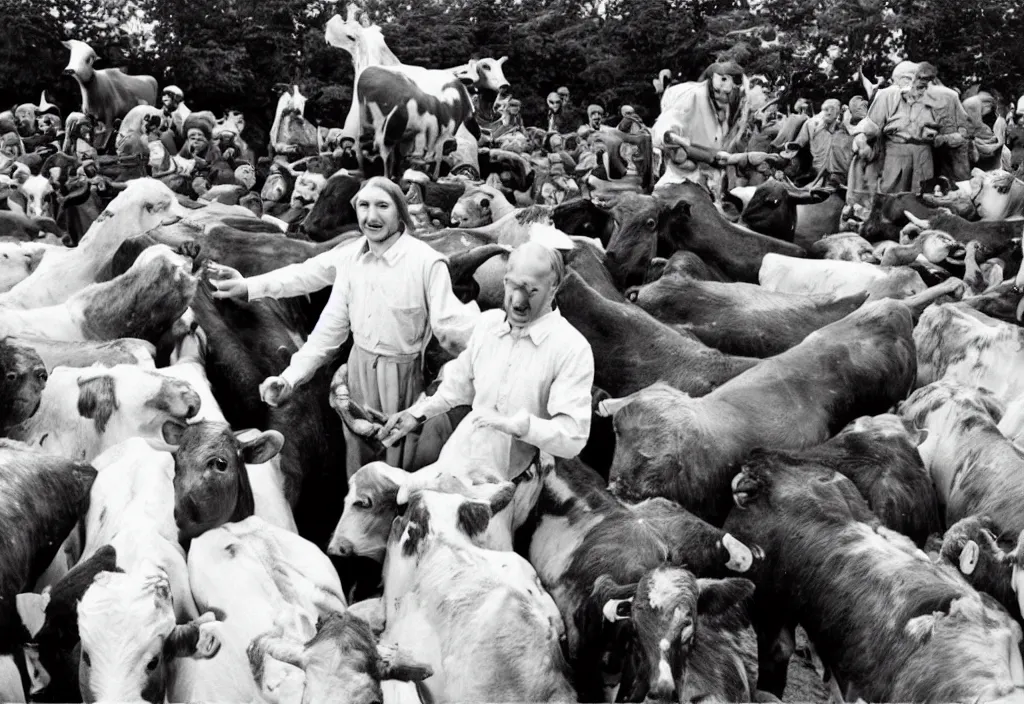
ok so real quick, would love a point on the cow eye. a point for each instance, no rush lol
(219, 464)
(153, 663)
(650, 223)
(365, 503)
(85, 659)
(149, 207)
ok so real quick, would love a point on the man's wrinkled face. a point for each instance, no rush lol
(595, 119)
(529, 288)
(197, 140)
(722, 88)
(307, 189)
(554, 102)
(49, 124)
(246, 176)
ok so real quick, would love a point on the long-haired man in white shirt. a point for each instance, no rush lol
(526, 371)
(390, 290)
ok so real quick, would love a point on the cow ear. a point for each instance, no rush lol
(395, 664)
(473, 517)
(263, 448)
(917, 435)
(172, 432)
(66, 44)
(97, 399)
(502, 60)
(717, 596)
(281, 88)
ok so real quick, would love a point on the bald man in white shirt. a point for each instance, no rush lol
(526, 371)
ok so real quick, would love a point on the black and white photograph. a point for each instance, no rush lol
(518, 351)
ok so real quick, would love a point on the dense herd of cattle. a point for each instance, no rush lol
(793, 427)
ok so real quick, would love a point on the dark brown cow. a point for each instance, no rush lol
(21, 384)
(887, 623)
(632, 350)
(578, 532)
(739, 318)
(668, 444)
(682, 216)
(971, 546)
(993, 234)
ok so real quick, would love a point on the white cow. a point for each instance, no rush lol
(479, 618)
(144, 204)
(838, 278)
(260, 578)
(18, 260)
(84, 412)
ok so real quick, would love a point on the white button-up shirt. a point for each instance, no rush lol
(391, 303)
(546, 369)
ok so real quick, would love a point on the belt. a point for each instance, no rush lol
(396, 358)
(910, 142)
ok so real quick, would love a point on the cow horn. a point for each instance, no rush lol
(924, 224)
(609, 407)
(353, 12)
(760, 111)
(464, 264)
(617, 609)
(740, 556)
(969, 557)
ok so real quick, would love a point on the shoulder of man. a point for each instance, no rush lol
(571, 339)
(423, 250)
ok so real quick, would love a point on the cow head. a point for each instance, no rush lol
(474, 208)
(666, 611)
(291, 102)
(128, 636)
(21, 384)
(772, 208)
(125, 401)
(485, 74)
(342, 661)
(211, 482)
(40, 200)
(371, 504)
(80, 65)
(638, 220)
(26, 117)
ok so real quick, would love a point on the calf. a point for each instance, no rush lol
(844, 246)
(738, 318)
(690, 634)
(257, 578)
(480, 205)
(887, 623)
(976, 470)
(42, 497)
(955, 342)
(83, 412)
(129, 637)
(211, 481)
(40, 200)
(477, 617)
(21, 386)
(141, 303)
(772, 209)
(888, 215)
(141, 206)
(579, 532)
(633, 350)
(332, 213)
(837, 278)
(341, 662)
(669, 444)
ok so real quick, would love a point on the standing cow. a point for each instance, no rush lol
(109, 93)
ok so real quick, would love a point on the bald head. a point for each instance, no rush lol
(531, 280)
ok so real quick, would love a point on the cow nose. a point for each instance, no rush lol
(69, 72)
(341, 548)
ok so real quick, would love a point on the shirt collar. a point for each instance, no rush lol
(538, 330)
(394, 253)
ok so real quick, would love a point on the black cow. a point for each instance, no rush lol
(22, 380)
(772, 208)
(887, 623)
(632, 350)
(739, 318)
(668, 444)
(42, 497)
(332, 214)
(579, 532)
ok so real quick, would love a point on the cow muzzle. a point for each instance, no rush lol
(70, 72)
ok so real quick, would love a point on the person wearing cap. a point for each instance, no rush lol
(831, 145)
(198, 139)
(595, 116)
(902, 121)
(950, 148)
(556, 118)
(173, 100)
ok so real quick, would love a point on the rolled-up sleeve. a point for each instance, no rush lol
(296, 279)
(569, 405)
(328, 336)
(451, 321)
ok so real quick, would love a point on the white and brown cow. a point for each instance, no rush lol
(108, 93)
(291, 135)
(412, 110)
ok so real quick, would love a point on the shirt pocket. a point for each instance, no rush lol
(410, 323)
